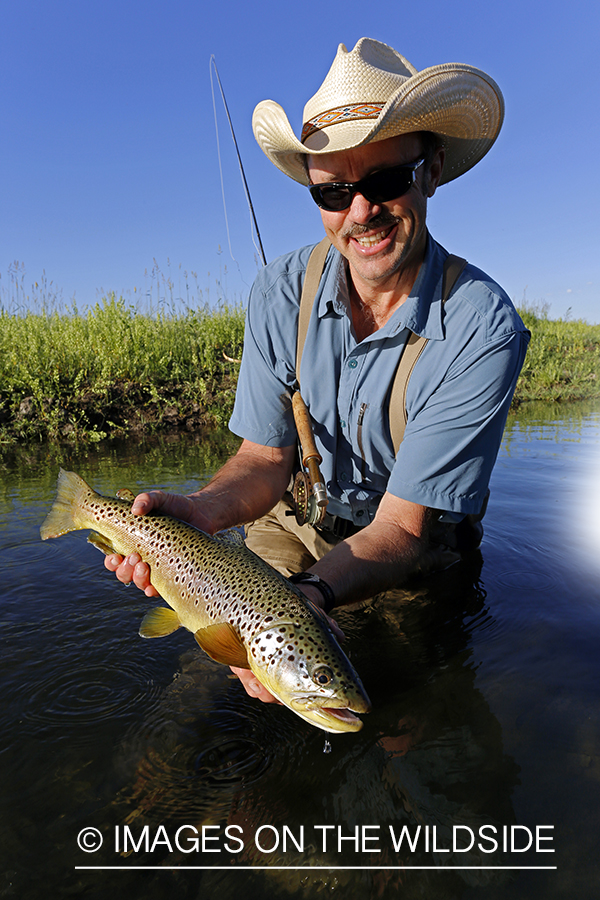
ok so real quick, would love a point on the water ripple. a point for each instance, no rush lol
(527, 579)
(85, 696)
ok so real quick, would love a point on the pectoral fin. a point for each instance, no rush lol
(101, 543)
(159, 622)
(223, 644)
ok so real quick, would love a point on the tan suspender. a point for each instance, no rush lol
(312, 277)
(414, 346)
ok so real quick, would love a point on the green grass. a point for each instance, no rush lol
(563, 360)
(116, 371)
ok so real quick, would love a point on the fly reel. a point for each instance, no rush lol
(310, 496)
(306, 508)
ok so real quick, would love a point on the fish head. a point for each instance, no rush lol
(306, 669)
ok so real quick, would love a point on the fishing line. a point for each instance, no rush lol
(255, 233)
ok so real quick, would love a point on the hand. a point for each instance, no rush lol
(131, 568)
(253, 687)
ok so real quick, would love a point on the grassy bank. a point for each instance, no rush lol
(563, 360)
(114, 371)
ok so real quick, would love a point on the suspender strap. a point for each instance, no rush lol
(414, 347)
(312, 277)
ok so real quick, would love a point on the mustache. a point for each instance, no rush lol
(377, 223)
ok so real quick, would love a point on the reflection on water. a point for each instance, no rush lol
(484, 682)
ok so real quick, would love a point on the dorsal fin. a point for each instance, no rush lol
(230, 536)
(125, 494)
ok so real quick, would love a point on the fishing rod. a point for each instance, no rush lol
(310, 495)
(213, 65)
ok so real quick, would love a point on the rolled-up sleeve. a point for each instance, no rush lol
(453, 434)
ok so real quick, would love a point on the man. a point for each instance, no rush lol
(378, 139)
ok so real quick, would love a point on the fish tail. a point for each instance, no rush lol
(64, 515)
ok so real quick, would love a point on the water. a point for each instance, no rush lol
(484, 681)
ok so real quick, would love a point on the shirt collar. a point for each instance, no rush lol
(334, 296)
(422, 310)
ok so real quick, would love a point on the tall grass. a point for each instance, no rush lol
(68, 372)
(116, 370)
(563, 360)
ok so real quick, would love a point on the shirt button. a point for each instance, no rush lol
(352, 364)
(360, 512)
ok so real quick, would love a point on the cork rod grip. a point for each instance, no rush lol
(304, 428)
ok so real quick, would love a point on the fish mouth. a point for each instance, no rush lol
(328, 718)
(344, 718)
(332, 719)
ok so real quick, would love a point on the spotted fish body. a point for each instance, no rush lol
(240, 610)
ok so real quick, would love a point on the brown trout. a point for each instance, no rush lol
(240, 610)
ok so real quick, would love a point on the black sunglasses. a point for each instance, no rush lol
(386, 184)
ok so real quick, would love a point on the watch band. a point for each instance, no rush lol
(322, 586)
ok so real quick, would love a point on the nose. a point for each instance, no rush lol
(362, 210)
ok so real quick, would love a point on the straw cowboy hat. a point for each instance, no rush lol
(372, 93)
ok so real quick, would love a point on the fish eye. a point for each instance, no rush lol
(322, 675)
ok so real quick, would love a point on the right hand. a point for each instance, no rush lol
(131, 568)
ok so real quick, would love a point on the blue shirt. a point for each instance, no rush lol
(458, 395)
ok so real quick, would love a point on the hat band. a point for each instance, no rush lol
(341, 114)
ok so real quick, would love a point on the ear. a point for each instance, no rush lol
(435, 171)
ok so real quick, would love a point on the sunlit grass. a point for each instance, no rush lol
(94, 373)
(121, 367)
(563, 360)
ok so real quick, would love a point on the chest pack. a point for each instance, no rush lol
(415, 345)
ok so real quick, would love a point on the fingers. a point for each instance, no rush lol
(179, 506)
(131, 569)
(253, 687)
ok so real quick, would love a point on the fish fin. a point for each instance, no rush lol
(223, 644)
(125, 494)
(102, 543)
(230, 536)
(159, 622)
(63, 515)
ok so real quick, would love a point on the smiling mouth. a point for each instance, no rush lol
(371, 240)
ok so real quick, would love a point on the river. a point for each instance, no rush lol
(476, 775)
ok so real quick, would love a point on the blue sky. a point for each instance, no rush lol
(108, 159)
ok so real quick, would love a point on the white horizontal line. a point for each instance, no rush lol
(314, 868)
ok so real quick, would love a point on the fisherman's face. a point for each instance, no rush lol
(379, 240)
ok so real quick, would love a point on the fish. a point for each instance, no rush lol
(241, 611)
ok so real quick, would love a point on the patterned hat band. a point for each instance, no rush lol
(348, 113)
(374, 93)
